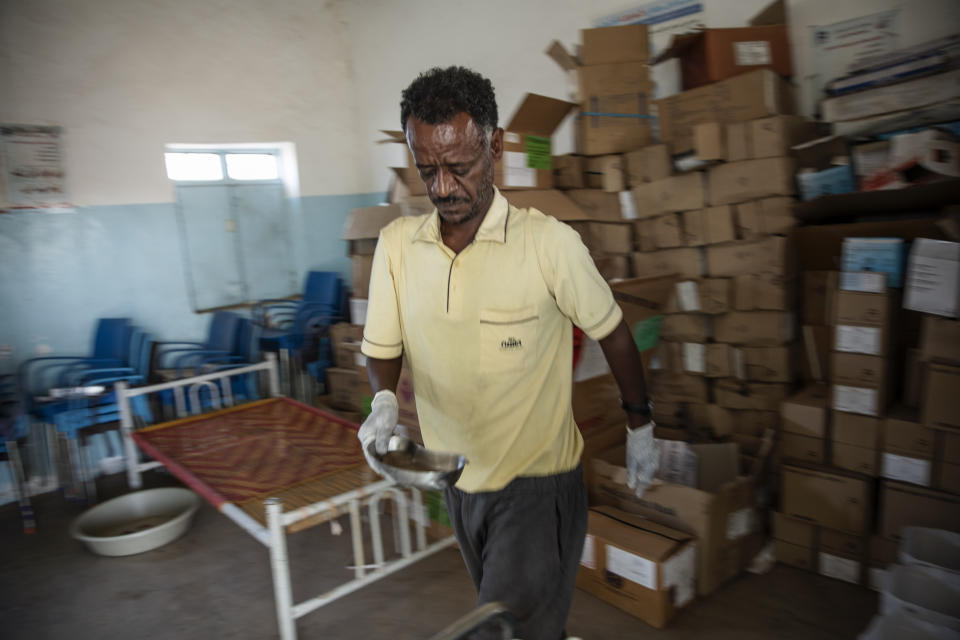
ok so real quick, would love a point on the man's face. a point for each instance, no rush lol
(456, 165)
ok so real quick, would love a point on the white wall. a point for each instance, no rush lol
(126, 77)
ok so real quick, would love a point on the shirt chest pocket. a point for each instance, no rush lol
(508, 339)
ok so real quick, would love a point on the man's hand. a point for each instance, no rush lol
(379, 425)
(643, 458)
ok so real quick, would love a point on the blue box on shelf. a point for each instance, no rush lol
(829, 182)
(884, 255)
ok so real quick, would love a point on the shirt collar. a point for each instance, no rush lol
(492, 229)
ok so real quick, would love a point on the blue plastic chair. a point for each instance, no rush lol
(187, 356)
(285, 324)
(13, 427)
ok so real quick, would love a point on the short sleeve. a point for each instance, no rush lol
(382, 336)
(580, 291)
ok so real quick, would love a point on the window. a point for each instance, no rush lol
(198, 166)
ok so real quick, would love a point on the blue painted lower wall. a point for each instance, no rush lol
(60, 272)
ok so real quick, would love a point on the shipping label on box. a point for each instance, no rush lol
(933, 281)
(866, 340)
(863, 281)
(906, 469)
(857, 400)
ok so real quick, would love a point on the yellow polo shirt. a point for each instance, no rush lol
(488, 336)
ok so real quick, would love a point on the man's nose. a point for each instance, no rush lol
(443, 183)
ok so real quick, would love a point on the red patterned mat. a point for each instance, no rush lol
(247, 453)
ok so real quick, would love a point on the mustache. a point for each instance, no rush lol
(449, 200)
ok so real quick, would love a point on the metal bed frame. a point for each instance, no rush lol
(273, 536)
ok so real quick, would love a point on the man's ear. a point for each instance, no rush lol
(496, 143)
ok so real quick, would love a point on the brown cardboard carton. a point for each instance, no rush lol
(612, 267)
(719, 511)
(949, 448)
(857, 430)
(550, 202)
(604, 45)
(805, 413)
(349, 389)
(611, 237)
(858, 459)
(639, 566)
(648, 164)
(948, 477)
(597, 438)
(644, 239)
(751, 179)
(841, 555)
(676, 193)
(341, 335)
(709, 141)
(816, 352)
(363, 225)
(819, 292)
(568, 171)
(596, 204)
(778, 215)
(769, 364)
(678, 387)
(739, 145)
(794, 531)
(858, 370)
(526, 161)
(751, 95)
(694, 228)
(865, 309)
(760, 396)
(794, 555)
(667, 231)
(604, 172)
(711, 55)
(774, 136)
(760, 292)
(719, 224)
(748, 220)
(940, 340)
(707, 295)
(804, 448)
(684, 262)
(596, 403)
(903, 434)
(738, 258)
(721, 361)
(621, 88)
(941, 402)
(850, 338)
(754, 328)
(362, 264)
(684, 327)
(833, 500)
(407, 175)
(906, 505)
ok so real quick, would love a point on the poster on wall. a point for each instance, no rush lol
(34, 178)
(835, 47)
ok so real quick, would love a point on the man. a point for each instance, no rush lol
(480, 295)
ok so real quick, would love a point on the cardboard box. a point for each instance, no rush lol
(739, 145)
(906, 505)
(760, 292)
(708, 295)
(837, 501)
(621, 88)
(676, 193)
(941, 405)
(794, 555)
(684, 327)
(948, 477)
(754, 328)
(777, 214)
(769, 364)
(720, 511)
(759, 396)
(527, 162)
(804, 448)
(604, 45)
(405, 171)
(819, 291)
(710, 141)
(551, 202)
(718, 224)
(795, 542)
(933, 278)
(605, 172)
(865, 309)
(841, 556)
(711, 55)
(343, 334)
(596, 204)
(864, 400)
(857, 459)
(648, 164)
(349, 389)
(643, 301)
(816, 352)
(751, 95)
(805, 413)
(361, 267)
(639, 566)
(883, 255)
(568, 171)
(858, 370)
(940, 340)
(751, 179)
(739, 258)
(710, 360)
(666, 231)
(774, 136)
(612, 267)
(898, 97)
(684, 262)
(611, 237)
(678, 387)
(857, 430)
(362, 227)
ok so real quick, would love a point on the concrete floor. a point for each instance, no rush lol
(215, 583)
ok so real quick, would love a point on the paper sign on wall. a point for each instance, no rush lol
(33, 168)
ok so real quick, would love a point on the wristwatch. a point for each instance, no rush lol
(645, 409)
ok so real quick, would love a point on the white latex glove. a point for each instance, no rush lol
(643, 458)
(379, 425)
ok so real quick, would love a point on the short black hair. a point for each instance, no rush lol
(438, 95)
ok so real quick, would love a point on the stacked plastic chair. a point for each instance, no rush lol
(13, 428)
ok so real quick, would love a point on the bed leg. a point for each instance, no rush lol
(126, 431)
(356, 533)
(280, 567)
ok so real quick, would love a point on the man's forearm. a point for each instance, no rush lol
(383, 374)
(625, 364)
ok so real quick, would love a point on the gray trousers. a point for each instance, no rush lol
(522, 547)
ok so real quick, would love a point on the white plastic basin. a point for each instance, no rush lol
(136, 522)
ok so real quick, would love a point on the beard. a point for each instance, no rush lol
(456, 210)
